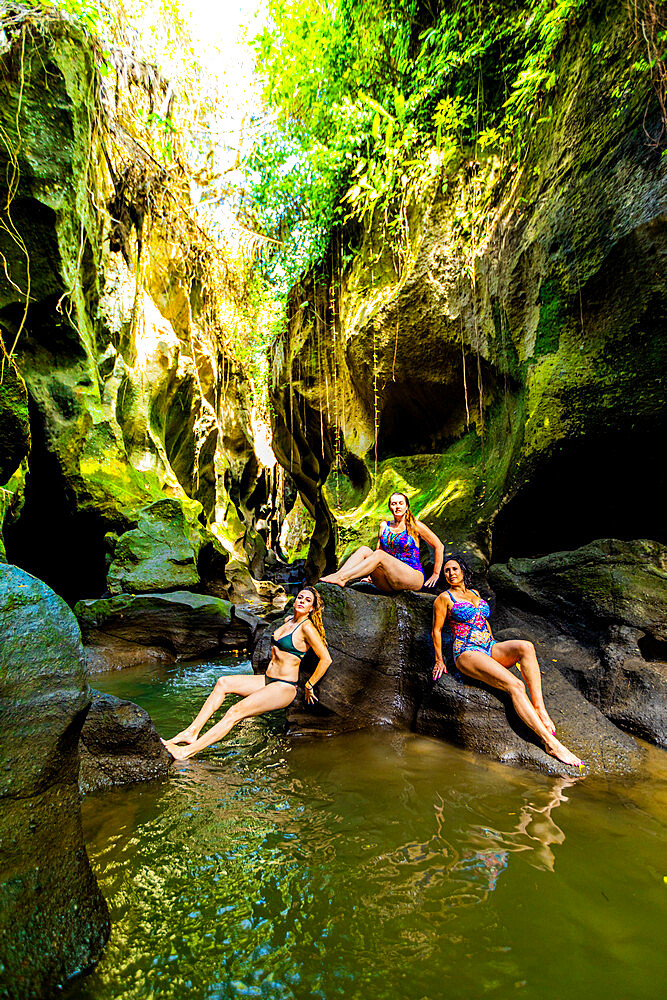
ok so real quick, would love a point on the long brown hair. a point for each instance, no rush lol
(410, 519)
(315, 614)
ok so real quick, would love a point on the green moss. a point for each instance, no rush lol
(14, 420)
(296, 532)
(553, 316)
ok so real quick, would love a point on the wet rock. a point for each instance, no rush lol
(119, 745)
(381, 674)
(600, 612)
(160, 553)
(128, 629)
(53, 918)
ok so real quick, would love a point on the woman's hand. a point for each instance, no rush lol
(309, 693)
(439, 669)
(432, 580)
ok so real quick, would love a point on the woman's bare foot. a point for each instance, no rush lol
(185, 736)
(334, 578)
(560, 752)
(177, 753)
(545, 719)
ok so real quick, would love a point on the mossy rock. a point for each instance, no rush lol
(14, 420)
(131, 629)
(53, 918)
(297, 531)
(160, 553)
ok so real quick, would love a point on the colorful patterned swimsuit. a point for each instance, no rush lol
(470, 627)
(401, 546)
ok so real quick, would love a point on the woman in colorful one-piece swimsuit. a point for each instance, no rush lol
(395, 563)
(477, 654)
(263, 692)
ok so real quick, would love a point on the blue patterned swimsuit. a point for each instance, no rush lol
(470, 627)
(401, 546)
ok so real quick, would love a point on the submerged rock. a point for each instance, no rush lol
(53, 918)
(119, 745)
(381, 674)
(130, 629)
(600, 611)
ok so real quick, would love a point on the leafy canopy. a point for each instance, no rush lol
(366, 91)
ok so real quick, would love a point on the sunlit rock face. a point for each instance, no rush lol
(53, 919)
(382, 662)
(121, 394)
(523, 414)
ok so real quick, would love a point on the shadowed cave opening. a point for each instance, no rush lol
(608, 486)
(422, 417)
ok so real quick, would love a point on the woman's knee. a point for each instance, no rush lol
(515, 687)
(221, 684)
(525, 648)
(364, 551)
(234, 714)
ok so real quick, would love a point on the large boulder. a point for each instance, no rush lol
(600, 612)
(53, 918)
(131, 629)
(119, 745)
(160, 553)
(381, 674)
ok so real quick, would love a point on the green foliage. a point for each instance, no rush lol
(367, 90)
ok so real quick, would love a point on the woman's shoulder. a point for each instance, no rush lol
(309, 631)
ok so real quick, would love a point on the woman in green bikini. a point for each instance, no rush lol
(263, 693)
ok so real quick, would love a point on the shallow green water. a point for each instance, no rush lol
(377, 865)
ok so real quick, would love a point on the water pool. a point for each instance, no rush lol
(376, 864)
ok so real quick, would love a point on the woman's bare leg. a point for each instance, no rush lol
(243, 684)
(266, 699)
(379, 578)
(521, 651)
(398, 575)
(483, 667)
(350, 563)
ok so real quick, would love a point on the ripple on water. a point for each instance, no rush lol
(374, 863)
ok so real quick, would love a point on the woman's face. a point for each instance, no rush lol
(305, 602)
(453, 573)
(398, 505)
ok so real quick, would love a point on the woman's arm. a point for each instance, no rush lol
(440, 612)
(439, 549)
(382, 524)
(316, 643)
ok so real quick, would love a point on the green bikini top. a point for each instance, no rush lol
(286, 644)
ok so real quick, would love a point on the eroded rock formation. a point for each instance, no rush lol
(120, 390)
(522, 410)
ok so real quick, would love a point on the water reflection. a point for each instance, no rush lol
(375, 863)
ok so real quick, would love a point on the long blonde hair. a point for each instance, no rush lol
(410, 519)
(315, 614)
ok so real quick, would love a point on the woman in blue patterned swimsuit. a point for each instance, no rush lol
(477, 654)
(395, 563)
